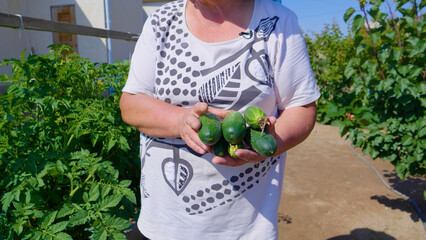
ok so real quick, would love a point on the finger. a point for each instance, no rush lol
(193, 122)
(198, 147)
(200, 108)
(221, 113)
(228, 161)
(248, 155)
(192, 135)
(271, 126)
(272, 120)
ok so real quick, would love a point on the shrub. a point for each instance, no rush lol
(69, 163)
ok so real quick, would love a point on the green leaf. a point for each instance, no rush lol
(407, 140)
(48, 219)
(404, 69)
(100, 233)
(18, 226)
(119, 236)
(94, 138)
(109, 202)
(348, 14)
(373, 12)
(413, 41)
(129, 194)
(397, 53)
(111, 143)
(383, 56)
(66, 210)
(60, 166)
(36, 235)
(124, 145)
(94, 192)
(357, 41)
(357, 23)
(63, 236)
(349, 72)
(422, 132)
(415, 72)
(58, 227)
(391, 35)
(105, 189)
(343, 130)
(359, 49)
(375, 36)
(117, 223)
(8, 198)
(81, 217)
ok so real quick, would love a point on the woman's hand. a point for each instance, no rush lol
(245, 155)
(190, 123)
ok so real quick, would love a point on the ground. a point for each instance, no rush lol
(331, 193)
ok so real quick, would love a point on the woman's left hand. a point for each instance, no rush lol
(245, 155)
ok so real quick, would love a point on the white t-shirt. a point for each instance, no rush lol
(184, 195)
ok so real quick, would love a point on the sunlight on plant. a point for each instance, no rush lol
(69, 163)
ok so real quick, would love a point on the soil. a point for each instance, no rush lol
(331, 193)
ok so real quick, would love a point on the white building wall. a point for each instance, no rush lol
(11, 46)
(87, 13)
(125, 15)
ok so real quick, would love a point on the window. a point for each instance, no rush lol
(65, 14)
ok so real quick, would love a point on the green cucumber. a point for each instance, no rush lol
(255, 117)
(234, 127)
(220, 148)
(210, 131)
(261, 142)
(233, 147)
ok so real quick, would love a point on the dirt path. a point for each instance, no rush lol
(332, 194)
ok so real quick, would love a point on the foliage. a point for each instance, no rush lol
(69, 163)
(329, 52)
(382, 100)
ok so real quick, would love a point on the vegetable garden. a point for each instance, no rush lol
(70, 165)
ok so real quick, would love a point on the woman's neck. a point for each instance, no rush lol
(218, 20)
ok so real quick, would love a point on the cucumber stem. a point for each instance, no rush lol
(263, 121)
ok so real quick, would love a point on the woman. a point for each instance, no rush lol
(197, 56)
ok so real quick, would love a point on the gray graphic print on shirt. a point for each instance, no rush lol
(182, 78)
(178, 173)
(179, 71)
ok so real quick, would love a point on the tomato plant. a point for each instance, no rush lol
(69, 163)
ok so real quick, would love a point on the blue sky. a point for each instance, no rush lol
(314, 14)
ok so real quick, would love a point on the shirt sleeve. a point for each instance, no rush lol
(294, 78)
(142, 65)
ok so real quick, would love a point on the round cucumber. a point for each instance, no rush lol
(261, 142)
(255, 117)
(234, 127)
(210, 131)
(220, 148)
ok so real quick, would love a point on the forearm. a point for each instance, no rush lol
(151, 116)
(294, 125)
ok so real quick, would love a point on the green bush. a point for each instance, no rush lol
(70, 165)
(379, 98)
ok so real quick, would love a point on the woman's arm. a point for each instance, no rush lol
(157, 118)
(292, 127)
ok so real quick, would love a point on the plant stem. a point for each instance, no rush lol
(395, 26)
(374, 45)
(79, 186)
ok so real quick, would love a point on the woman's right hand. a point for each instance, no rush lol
(190, 124)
